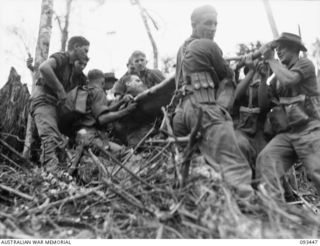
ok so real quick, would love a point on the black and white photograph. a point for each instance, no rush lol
(159, 119)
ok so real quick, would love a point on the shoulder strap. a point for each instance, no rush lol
(183, 53)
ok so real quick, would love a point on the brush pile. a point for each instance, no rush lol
(141, 193)
(141, 196)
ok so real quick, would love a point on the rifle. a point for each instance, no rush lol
(255, 55)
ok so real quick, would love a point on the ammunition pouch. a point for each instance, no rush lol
(312, 106)
(295, 110)
(73, 108)
(202, 86)
(201, 80)
(292, 112)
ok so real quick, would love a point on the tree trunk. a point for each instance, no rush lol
(271, 20)
(153, 43)
(14, 104)
(65, 29)
(42, 50)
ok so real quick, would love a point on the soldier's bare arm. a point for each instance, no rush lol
(284, 75)
(108, 117)
(51, 80)
(244, 84)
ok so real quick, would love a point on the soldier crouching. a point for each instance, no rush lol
(295, 86)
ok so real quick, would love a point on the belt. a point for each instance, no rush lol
(250, 110)
(291, 100)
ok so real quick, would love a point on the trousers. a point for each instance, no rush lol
(251, 146)
(280, 153)
(46, 120)
(218, 144)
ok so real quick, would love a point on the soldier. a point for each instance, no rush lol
(129, 84)
(249, 115)
(132, 128)
(295, 87)
(200, 75)
(130, 67)
(90, 127)
(110, 81)
(79, 66)
(149, 77)
(51, 88)
(98, 112)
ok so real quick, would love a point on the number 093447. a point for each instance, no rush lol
(308, 241)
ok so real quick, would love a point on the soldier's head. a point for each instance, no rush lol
(78, 48)
(80, 65)
(288, 47)
(133, 84)
(139, 61)
(110, 79)
(204, 22)
(96, 77)
(130, 66)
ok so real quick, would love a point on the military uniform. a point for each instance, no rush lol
(92, 133)
(301, 135)
(43, 106)
(133, 127)
(200, 68)
(96, 104)
(151, 77)
(250, 122)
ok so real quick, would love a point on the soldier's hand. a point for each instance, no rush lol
(128, 98)
(131, 107)
(29, 63)
(62, 96)
(248, 62)
(262, 68)
(267, 51)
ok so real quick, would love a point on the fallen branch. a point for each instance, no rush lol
(166, 122)
(65, 200)
(271, 204)
(98, 162)
(169, 140)
(169, 228)
(115, 188)
(13, 136)
(310, 206)
(191, 148)
(153, 158)
(125, 168)
(75, 162)
(5, 233)
(76, 224)
(18, 193)
(135, 149)
(12, 162)
(14, 151)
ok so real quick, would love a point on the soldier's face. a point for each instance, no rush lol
(207, 26)
(81, 52)
(284, 53)
(135, 81)
(101, 82)
(139, 63)
(135, 85)
(79, 66)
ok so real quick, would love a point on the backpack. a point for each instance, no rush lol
(73, 108)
